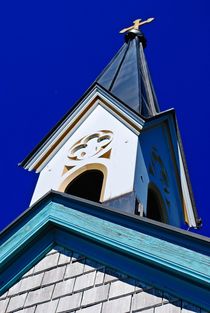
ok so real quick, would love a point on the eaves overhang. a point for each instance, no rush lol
(164, 256)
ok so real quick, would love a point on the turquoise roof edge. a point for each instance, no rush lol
(161, 255)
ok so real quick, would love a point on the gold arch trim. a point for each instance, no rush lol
(79, 171)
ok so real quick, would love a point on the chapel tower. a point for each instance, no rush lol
(116, 147)
(99, 235)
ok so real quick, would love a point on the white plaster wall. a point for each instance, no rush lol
(120, 166)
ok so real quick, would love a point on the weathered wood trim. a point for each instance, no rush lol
(166, 265)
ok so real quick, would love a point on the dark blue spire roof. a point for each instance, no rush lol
(127, 76)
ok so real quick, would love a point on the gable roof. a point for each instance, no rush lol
(95, 231)
(90, 95)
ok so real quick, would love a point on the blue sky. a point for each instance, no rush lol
(51, 51)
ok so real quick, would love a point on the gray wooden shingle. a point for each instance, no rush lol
(63, 288)
(46, 263)
(54, 275)
(91, 309)
(74, 269)
(64, 259)
(121, 305)
(145, 300)
(168, 308)
(29, 273)
(3, 305)
(95, 295)
(99, 279)
(47, 307)
(67, 282)
(15, 289)
(31, 282)
(16, 302)
(39, 296)
(84, 281)
(69, 303)
(108, 278)
(120, 288)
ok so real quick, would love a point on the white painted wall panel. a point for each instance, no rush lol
(120, 166)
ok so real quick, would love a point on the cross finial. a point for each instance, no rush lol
(137, 23)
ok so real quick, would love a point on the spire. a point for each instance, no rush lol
(127, 75)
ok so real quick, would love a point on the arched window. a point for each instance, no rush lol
(87, 185)
(155, 206)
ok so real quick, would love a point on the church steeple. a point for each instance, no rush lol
(95, 239)
(115, 146)
(127, 75)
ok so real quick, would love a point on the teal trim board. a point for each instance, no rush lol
(161, 255)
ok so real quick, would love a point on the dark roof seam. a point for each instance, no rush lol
(146, 104)
(157, 108)
(109, 64)
(147, 83)
(118, 70)
(139, 73)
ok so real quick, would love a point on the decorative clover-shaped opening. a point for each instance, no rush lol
(90, 145)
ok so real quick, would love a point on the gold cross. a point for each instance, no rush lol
(137, 24)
